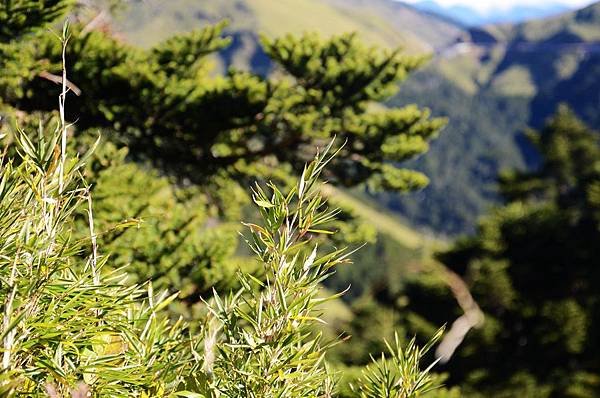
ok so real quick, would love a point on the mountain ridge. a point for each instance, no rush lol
(499, 80)
(470, 16)
(380, 22)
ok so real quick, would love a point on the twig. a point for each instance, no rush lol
(61, 105)
(94, 259)
(58, 80)
(9, 335)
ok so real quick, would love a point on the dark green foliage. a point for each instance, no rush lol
(193, 243)
(190, 123)
(370, 324)
(19, 17)
(178, 55)
(172, 112)
(533, 268)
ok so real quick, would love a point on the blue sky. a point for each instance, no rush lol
(487, 5)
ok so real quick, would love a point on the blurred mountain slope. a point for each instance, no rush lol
(491, 84)
(380, 22)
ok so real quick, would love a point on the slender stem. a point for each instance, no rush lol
(94, 259)
(61, 107)
(10, 336)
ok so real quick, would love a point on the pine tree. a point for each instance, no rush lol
(198, 138)
(165, 104)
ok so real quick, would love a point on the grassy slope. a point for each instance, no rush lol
(381, 22)
(384, 221)
(432, 31)
(292, 16)
(585, 23)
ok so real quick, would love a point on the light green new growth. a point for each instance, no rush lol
(261, 342)
(398, 376)
(71, 325)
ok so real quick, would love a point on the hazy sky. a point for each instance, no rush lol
(486, 5)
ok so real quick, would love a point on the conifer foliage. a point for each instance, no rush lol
(167, 105)
(533, 268)
(19, 17)
(208, 134)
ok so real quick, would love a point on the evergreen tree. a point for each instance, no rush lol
(533, 267)
(166, 105)
(171, 111)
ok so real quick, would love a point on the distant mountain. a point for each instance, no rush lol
(527, 59)
(491, 84)
(385, 23)
(470, 16)
(382, 22)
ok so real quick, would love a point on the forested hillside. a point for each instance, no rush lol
(499, 79)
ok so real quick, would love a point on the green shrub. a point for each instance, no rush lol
(66, 320)
(74, 326)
